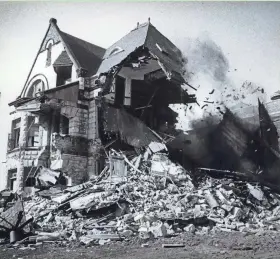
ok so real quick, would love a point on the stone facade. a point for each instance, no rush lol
(73, 153)
(63, 98)
(93, 134)
(69, 110)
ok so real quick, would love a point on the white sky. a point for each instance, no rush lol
(247, 32)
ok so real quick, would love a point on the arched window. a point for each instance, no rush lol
(36, 87)
(49, 54)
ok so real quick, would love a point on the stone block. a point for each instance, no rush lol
(159, 230)
(92, 109)
(190, 228)
(92, 121)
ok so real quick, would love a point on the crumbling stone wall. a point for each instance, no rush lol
(69, 144)
(70, 153)
(22, 145)
(93, 136)
(78, 124)
(75, 167)
(77, 154)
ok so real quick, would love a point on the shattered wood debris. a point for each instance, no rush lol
(13, 223)
(156, 198)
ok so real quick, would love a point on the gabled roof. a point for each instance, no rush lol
(145, 35)
(87, 55)
(84, 55)
(63, 60)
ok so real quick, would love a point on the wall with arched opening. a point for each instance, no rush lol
(37, 83)
(42, 68)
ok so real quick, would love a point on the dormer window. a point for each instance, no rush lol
(63, 68)
(49, 54)
(115, 51)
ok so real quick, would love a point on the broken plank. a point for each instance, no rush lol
(127, 161)
(105, 226)
(191, 86)
(143, 107)
(104, 236)
(172, 245)
(211, 199)
(157, 135)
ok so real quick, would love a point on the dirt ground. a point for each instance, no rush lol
(221, 245)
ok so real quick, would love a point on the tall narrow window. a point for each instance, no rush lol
(120, 90)
(49, 55)
(12, 176)
(14, 137)
(64, 125)
(33, 133)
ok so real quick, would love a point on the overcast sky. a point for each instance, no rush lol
(248, 34)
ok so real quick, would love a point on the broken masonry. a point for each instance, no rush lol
(95, 156)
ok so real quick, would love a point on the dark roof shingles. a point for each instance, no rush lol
(63, 60)
(89, 56)
(145, 35)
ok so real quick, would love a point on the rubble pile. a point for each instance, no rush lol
(155, 198)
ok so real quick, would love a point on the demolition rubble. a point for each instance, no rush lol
(157, 181)
(146, 196)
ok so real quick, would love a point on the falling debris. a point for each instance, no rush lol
(112, 166)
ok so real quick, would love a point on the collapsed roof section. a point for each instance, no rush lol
(145, 54)
(145, 36)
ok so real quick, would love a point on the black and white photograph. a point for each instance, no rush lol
(139, 130)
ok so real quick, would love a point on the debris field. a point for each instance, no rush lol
(151, 198)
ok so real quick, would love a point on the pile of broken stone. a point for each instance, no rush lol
(155, 198)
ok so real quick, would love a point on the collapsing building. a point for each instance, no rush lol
(236, 143)
(79, 99)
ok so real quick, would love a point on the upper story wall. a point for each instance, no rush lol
(40, 67)
(46, 72)
(42, 74)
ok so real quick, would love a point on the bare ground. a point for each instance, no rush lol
(217, 246)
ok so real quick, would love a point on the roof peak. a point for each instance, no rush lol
(140, 25)
(53, 21)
